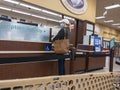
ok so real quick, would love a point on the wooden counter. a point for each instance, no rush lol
(12, 49)
(91, 63)
(14, 66)
(24, 60)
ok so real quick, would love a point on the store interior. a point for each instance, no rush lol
(26, 27)
(28, 60)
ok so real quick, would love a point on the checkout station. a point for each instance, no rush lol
(27, 49)
(28, 57)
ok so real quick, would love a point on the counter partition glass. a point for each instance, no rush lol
(21, 32)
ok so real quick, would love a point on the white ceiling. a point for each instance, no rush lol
(112, 14)
(31, 10)
(28, 10)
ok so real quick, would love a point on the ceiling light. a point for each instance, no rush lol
(105, 13)
(35, 8)
(21, 12)
(4, 8)
(29, 6)
(44, 18)
(69, 18)
(109, 21)
(112, 6)
(52, 13)
(32, 7)
(38, 16)
(11, 1)
(116, 24)
(100, 17)
(52, 20)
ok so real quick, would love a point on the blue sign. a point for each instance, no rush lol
(48, 48)
(97, 44)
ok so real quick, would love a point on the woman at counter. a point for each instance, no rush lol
(64, 25)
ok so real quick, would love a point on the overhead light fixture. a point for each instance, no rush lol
(4, 8)
(52, 13)
(109, 21)
(52, 20)
(113, 6)
(69, 18)
(105, 13)
(100, 17)
(116, 24)
(21, 12)
(37, 16)
(38, 9)
(32, 7)
(11, 1)
(44, 18)
(29, 6)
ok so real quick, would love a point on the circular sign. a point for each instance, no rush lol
(75, 6)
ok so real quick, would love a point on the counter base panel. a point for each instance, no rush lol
(96, 63)
(79, 64)
(29, 70)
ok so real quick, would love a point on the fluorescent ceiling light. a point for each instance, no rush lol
(36, 8)
(109, 21)
(38, 16)
(52, 13)
(21, 12)
(116, 24)
(105, 13)
(29, 6)
(69, 18)
(11, 1)
(100, 17)
(112, 6)
(4, 8)
(44, 18)
(32, 7)
(52, 20)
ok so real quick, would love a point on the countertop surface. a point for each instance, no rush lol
(80, 50)
(19, 52)
(27, 41)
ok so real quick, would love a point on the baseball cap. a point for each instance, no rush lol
(65, 21)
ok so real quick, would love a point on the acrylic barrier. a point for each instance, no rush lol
(22, 32)
(96, 81)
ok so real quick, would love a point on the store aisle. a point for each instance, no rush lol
(116, 67)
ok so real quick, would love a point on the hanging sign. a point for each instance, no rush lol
(75, 6)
